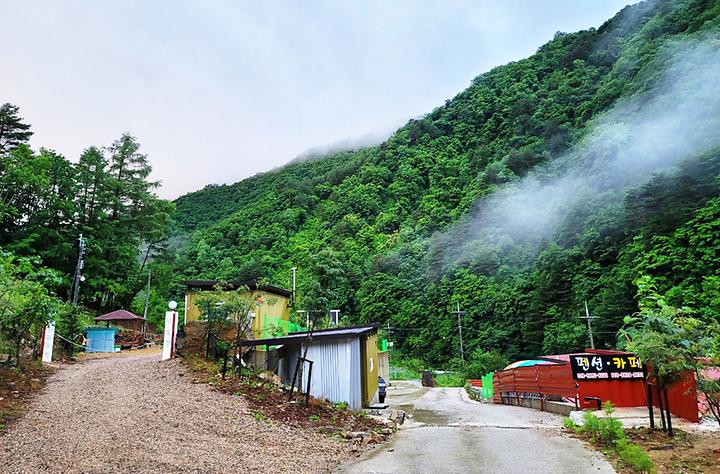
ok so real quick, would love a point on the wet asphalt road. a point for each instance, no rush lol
(449, 433)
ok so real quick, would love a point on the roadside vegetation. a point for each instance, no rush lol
(641, 450)
(268, 401)
(453, 374)
(608, 435)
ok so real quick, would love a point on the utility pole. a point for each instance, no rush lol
(147, 294)
(588, 318)
(78, 271)
(294, 272)
(462, 350)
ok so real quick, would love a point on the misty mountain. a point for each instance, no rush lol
(550, 181)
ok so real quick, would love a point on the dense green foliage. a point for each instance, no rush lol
(365, 228)
(26, 304)
(47, 202)
(375, 232)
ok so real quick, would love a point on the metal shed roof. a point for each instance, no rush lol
(297, 337)
(252, 285)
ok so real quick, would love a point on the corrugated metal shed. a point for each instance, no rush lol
(341, 363)
(336, 371)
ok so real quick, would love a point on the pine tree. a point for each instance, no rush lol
(13, 131)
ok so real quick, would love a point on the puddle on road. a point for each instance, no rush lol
(427, 417)
(430, 417)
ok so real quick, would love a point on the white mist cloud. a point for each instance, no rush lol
(645, 134)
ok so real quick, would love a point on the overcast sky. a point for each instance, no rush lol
(217, 91)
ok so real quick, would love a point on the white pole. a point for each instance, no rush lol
(294, 271)
(169, 335)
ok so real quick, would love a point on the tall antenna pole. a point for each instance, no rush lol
(462, 350)
(78, 271)
(588, 318)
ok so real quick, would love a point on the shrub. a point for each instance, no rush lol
(590, 424)
(450, 380)
(569, 424)
(608, 431)
(481, 363)
(634, 456)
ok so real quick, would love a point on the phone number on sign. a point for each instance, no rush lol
(611, 375)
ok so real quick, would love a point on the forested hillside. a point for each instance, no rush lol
(549, 182)
(375, 232)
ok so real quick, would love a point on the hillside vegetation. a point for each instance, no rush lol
(549, 182)
(375, 232)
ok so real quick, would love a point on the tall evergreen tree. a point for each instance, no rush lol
(13, 131)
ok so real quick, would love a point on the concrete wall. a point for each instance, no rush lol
(384, 366)
(544, 405)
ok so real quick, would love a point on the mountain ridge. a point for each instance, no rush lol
(359, 224)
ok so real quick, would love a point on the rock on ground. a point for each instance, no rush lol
(136, 414)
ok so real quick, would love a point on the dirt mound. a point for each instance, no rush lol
(193, 339)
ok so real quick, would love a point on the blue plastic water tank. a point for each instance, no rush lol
(100, 339)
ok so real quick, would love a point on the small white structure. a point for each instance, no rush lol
(48, 342)
(170, 333)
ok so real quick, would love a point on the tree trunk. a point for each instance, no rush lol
(667, 409)
(17, 351)
(650, 405)
(661, 406)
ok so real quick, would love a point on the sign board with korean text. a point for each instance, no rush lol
(48, 341)
(170, 334)
(606, 367)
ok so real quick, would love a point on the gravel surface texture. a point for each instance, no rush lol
(136, 414)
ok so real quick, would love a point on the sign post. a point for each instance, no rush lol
(170, 333)
(48, 342)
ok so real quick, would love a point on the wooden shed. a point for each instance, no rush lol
(124, 319)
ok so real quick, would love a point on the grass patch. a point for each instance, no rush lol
(197, 363)
(450, 380)
(403, 373)
(608, 435)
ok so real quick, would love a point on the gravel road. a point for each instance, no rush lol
(450, 433)
(137, 414)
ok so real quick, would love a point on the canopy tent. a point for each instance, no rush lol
(530, 363)
(124, 319)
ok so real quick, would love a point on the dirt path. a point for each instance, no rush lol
(136, 414)
(450, 433)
